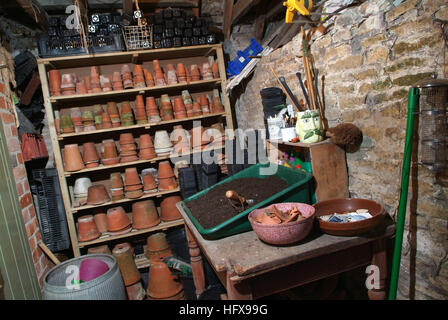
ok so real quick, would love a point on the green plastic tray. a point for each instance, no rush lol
(298, 191)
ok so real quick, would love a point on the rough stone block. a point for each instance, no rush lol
(400, 9)
(377, 55)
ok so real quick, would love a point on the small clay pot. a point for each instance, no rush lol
(126, 263)
(128, 83)
(162, 140)
(87, 229)
(101, 222)
(81, 187)
(165, 170)
(97, 195)
(90, 154)
(68, 84)
(144, 214)
(162, 283)
(126, 138)
(67, 124)
(157, 242)
(106, 84)
(147, 154)
(171, 77)
(179, 105)
(99, 249)
(117, 82)
(81, 87)
(125, 159)
(149, 183)
(149, 79)
(215, 70)
(206, 71)
(136, 292)
(110, 151)
(131, 177)
(195, 73)
(168, 208)
(117, 219)
(54, 79)
(88, 84)
(116, 181)
(145, 141)
(166, 184)
(72, 158)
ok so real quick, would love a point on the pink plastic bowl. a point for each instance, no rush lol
(288, 233)
(91, 269)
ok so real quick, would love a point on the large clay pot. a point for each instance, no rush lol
(87, 229)
(181, 74)
(72, 158)
(110, 155)
(97, 195)
(149, 183)
(162, 283)
(101, 221)
(144, 214)
(117, 219)
(126, 263)
(54, 78)
(169, 210)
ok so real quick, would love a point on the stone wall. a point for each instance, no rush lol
(370, 57)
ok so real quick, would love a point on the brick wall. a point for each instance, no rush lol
(41, 263)
(370, 57)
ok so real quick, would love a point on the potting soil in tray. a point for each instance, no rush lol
(213, 208)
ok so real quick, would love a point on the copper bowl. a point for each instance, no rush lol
(347, 205)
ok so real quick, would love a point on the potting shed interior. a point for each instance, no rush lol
(214, 150)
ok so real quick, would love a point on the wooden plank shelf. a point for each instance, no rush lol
(134, 232)
(91, 98)
(138, 162)
(138, 126)
(298, 144)
(109, 203)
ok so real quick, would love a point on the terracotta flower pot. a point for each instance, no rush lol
(147, 154)
(157, 242)
(195, 73)
(166, 184)
(162, 140)
(101, 222)
(149, 80)
(159, 79)
(88, 84)
(144, 214)
(126, 263)
(169, 210)
(136, 292)
(149, 183)
(97, 195)
(162, 283)
(179, 105)
(68, 84)
(116, 181)
(110, 151)
(106, 84)
(165, 170)
(171, 77)
(99, 249)
(128, 82)
(145, 141)
(131, 177)
(117, 82)
(215, 70)
(67, 124)
(126, 138)
(206, 71)
(54, 78)
(81, 88)
(117, 219)
(72, 158)
(90, 154)
(81, 187)
(87, 229)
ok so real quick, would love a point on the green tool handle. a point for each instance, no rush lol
(412, 104)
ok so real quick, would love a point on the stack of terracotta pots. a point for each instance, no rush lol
(128, 148)
(106, 121)
(90, 155)
(128, 82)
(179, 108)
(165, 176)
(149, 182)
(76, 115)
(54, 78)
(188, 102)
(181, 73)
(195, 73)
(199, 138)
(109, 155)
(216, 133)
(106, 83)
(88, 84)
(100, 219)
(95, 82)
(81, 87)
(162, 143)
(99, 249)
(117, 83)
(97, 194)
(169, 211)
(139, 77)
(72, 158)
(203, 101)
(118, 221)
(132, 184)
(68, 84)
(87, 229)
(157, 247)
(149, 80)
(146, 147)
(152, 111)
(140, 111)
(116, 186)
(166, 109)
(112, 111)
(171, 74)
(97, 116)
(215, 70)
(67, 124)
(196, 110)
(88, 121)
(217, 105)
(127, 117)
(159, 78)
(180, 139)
(163, 285)
(80, 190)
(207, 73)
(144, 215)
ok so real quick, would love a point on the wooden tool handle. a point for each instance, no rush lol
(233, 195)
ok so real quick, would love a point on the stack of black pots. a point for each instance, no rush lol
(273, 100)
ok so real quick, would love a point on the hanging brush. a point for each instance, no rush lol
(345, 134)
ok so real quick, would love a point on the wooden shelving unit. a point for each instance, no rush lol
(108, 62)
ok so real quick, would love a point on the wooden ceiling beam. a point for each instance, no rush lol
(241, 7)
(35, 15)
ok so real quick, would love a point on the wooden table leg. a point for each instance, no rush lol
(196, 263)
(379, 259)
(237, 291)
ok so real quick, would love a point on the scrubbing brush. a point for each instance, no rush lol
(345, 134)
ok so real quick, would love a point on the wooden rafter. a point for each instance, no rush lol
(35, 15)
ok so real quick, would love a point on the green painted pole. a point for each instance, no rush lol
(412, 104)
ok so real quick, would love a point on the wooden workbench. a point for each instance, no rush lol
(250, 269)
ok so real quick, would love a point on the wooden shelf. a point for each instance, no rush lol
(298, 144)
(138, 126)
(134, 163)
(64, 101)
(109, 203)
(161, 226)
